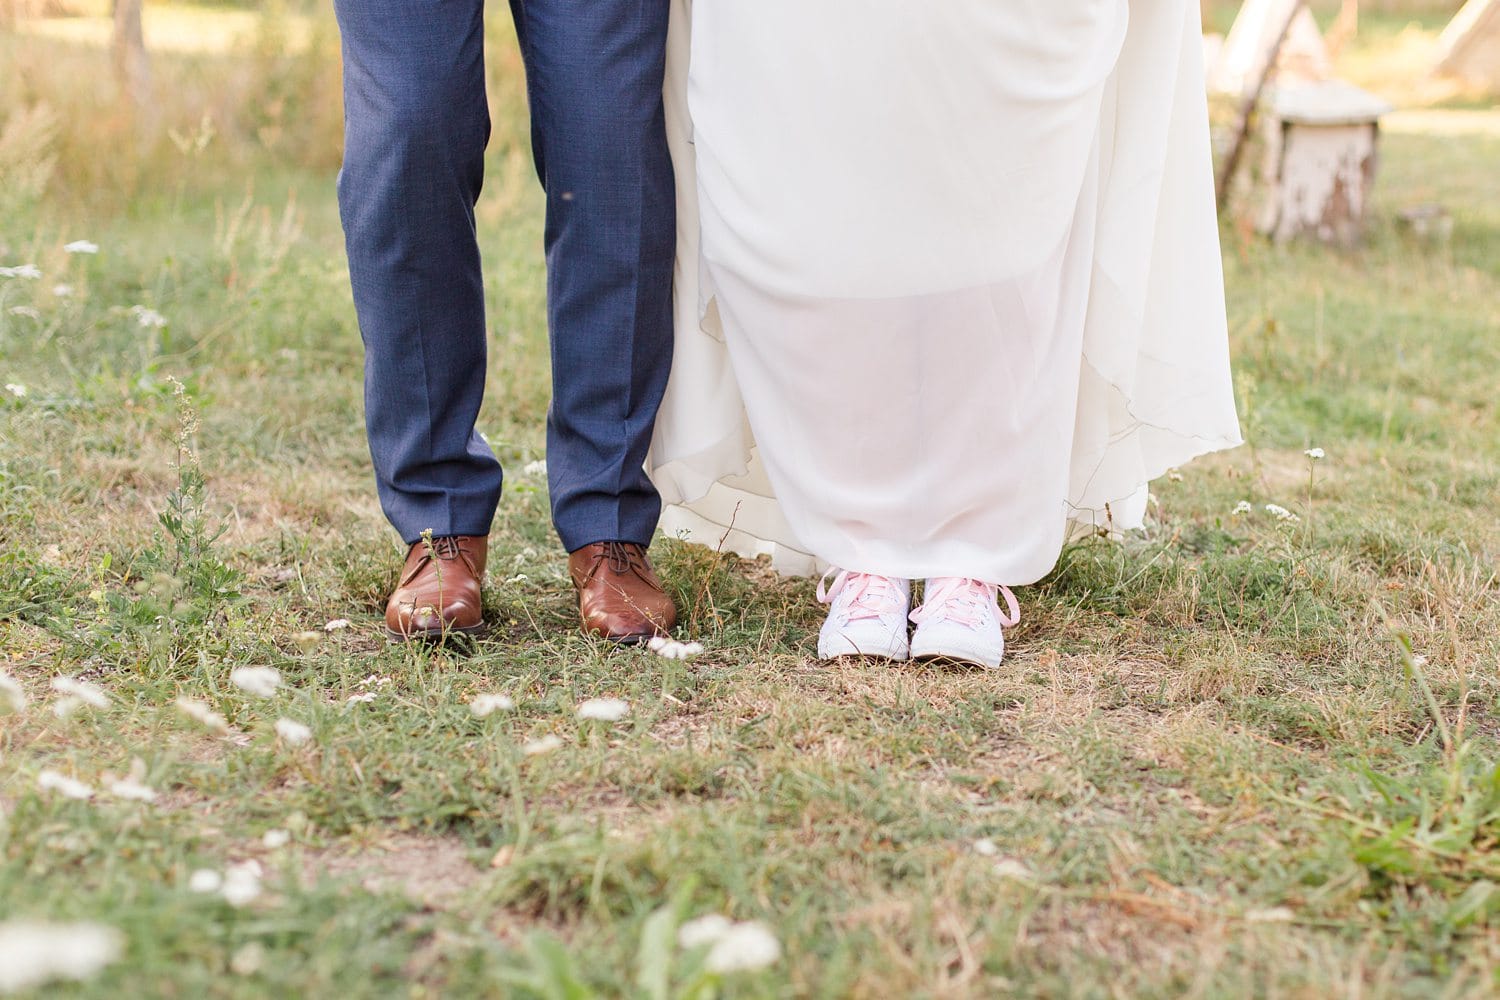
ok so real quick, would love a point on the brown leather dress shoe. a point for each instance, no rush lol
(619, 596)
(439, 591)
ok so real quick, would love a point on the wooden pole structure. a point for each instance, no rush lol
(1247, 107)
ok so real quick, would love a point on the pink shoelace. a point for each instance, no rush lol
(870, 596)
(965, 601)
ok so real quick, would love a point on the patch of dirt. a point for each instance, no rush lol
(431, 871)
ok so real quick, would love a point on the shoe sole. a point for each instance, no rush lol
(846, 649)
(956, 657)
(436, 636)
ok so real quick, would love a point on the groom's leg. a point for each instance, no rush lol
(416, 124)
(594, 73)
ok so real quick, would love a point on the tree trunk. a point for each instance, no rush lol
(132, 69)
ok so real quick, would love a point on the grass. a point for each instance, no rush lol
(1233, 756)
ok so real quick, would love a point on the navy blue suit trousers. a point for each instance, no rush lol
(416, 124)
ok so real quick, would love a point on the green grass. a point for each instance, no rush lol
(1210, 766)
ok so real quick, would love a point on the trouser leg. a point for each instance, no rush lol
(594, 76)
(416, 124)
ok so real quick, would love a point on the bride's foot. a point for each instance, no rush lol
(960, 620)
(866, 617)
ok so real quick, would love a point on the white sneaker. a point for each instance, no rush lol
(960, 620)
(866, 617)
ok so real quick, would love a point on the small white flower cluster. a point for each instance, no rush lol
(200, 712)
(1315, 453)
(671, 649)
(1242, 508)
(337, 625)
(69, 788)
(16, 389)
(535, 470)
(76, 694)
(541, 745)
(12, 693)
(259, 681)
(33, 953)
(487, 704)
(1281, 513)
(130, 788)
(1004, 867)
(603, 709)
(732, 947)
(28, 272)
(239, 884)
(148, 319)
(292, 733)
(81, 246)
(373, 683)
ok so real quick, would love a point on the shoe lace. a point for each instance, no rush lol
(622, 558)
(869, 595)
(446, 547)
(966, 602)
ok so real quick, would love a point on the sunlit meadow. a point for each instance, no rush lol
(1250, 752)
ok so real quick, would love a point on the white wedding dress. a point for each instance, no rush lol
(948, 278)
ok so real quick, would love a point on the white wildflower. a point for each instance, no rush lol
(358, 699)
(259, 681)
(1273, 915)
(1315, 453)
(33, 953)
(133, 790)
(148, 319)
(11, 691)
(336, 625)
(82, 690)
(28, 271)
(743, 948)
(242, 883)
(1281, 513)
(375, 681)
(62, 291)
(541, 745)
(275, 840)
(604, 709)
(986, 848)
(16, 389)
(205, 880)
(704, 930)
(1242, 508)
(671, 649)
(485, 704)
(200, 712)
(248, 959)
(1174, 475)
(81, 246)
(536, 469)
(28, 311)
(292, 733)
(1013, 869)
(71, 788)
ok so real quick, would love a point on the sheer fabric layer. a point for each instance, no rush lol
(948, 278)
